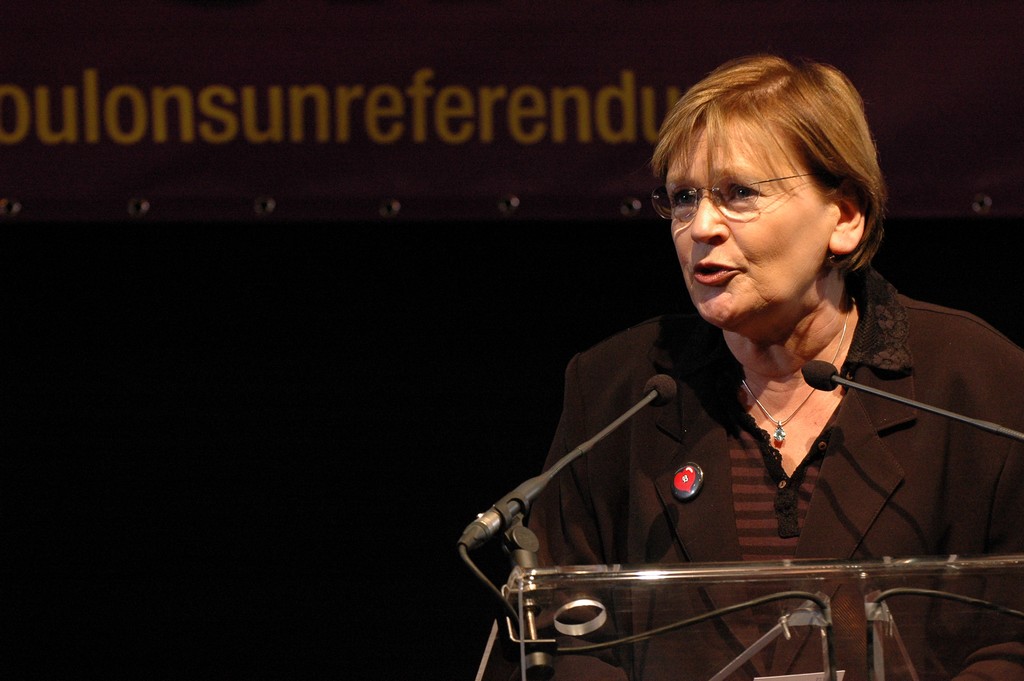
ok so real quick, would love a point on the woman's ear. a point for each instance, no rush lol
(849, 228)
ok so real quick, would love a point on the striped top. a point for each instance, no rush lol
(770, 505)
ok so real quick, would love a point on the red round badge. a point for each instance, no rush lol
(687, 482)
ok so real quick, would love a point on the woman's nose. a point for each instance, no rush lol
(708, 223)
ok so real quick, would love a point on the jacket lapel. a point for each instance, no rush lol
(705, 525)
(858, 477)
(703, 528)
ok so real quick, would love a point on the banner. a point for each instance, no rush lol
(477, 110)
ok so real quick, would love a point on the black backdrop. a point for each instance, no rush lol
(246, 451)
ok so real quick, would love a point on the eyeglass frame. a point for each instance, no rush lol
(716, 198)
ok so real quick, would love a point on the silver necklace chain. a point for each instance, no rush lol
(780, 433)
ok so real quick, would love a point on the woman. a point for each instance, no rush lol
(775, 197)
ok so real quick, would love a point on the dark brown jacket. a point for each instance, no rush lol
(895, 482)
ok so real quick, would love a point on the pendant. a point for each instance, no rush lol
(780, 434)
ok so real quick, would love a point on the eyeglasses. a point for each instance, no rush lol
(734, 200)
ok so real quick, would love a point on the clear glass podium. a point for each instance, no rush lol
(921, 619)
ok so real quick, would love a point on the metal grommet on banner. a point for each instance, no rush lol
(982, 204)
(264, 205)
(580, 628)
(508, 205)
(9, 207)
(138, 207)
(389, 208)
(630, 207)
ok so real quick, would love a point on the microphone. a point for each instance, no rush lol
(821, 375)
(659, 390)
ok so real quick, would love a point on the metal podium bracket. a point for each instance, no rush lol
(807, 614)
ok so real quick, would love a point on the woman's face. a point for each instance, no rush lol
(761, 277)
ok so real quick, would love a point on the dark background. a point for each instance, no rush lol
(246, 451)
(244, 447)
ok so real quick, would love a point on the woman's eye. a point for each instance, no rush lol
(684, 197)
(738, 192)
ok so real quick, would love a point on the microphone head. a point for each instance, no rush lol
(664, 385)
(818, 374)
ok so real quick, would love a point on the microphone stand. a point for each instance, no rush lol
(536, 654)
(522, 544)
(660, 390)
(824, 376)
(984, 425)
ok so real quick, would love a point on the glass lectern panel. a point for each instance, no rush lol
(923, 619)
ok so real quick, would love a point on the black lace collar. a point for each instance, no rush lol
(881, 338)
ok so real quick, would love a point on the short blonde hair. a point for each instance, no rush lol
(804, 108)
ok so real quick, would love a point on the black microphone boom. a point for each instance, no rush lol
(823, 376)
(659, 390)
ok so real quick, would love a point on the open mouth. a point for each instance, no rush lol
(711, 274)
